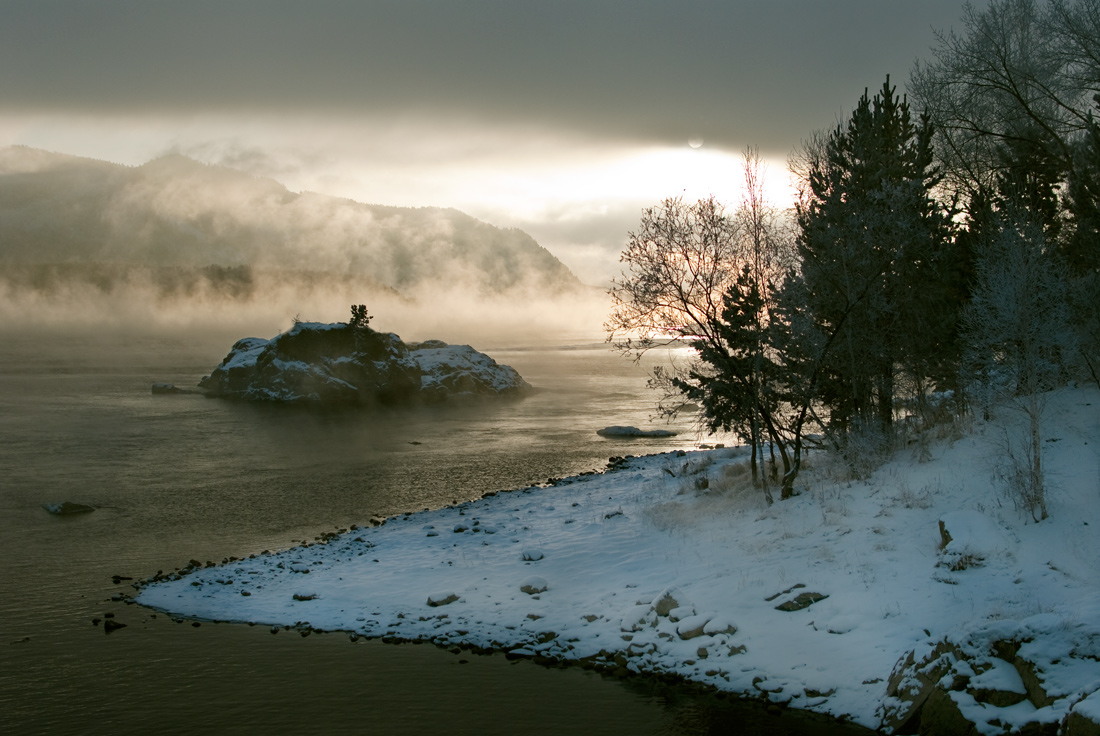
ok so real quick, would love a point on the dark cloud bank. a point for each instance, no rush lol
(732, 73)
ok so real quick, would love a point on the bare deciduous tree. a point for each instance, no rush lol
(1021, 74)
(681, 266)
(678, 263)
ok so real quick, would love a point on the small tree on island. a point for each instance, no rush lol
(359, 317)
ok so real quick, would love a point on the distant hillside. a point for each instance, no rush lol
(68, 217)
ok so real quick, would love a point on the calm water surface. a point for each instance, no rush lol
(181, 477)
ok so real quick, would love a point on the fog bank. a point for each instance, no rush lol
(177, 243)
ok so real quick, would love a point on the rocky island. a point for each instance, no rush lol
(350, 363)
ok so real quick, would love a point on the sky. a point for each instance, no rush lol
(562, 117)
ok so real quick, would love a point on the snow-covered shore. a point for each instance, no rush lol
(671, 563)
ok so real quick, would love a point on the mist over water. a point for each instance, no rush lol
(137, 302)
(175, 243)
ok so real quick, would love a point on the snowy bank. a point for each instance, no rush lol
(904, 601)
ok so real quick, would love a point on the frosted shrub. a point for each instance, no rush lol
(1018, 343)
(1019, 472)
(859, 452)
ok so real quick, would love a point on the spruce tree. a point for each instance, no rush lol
(874, 247)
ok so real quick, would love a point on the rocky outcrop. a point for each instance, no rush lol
(314, 363)
(1007, 677)
(449, 371)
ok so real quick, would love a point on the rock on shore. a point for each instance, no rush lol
(315, 363)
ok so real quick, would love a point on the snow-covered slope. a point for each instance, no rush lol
(814, 602)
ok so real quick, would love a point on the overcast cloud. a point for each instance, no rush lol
(551, 116)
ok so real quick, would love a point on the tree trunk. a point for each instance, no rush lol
(1035, 481)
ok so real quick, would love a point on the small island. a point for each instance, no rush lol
(350, 363)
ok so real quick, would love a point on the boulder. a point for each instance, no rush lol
(979, 683)
(677, 614)
(637, 618)
(720, 625)
(669, 600)
(314, 363)
(1084, 719)
(968, 538)
(692, 627)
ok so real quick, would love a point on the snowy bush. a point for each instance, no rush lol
(859, 452)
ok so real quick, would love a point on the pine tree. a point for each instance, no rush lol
(735, 379)
(1082, 248)
(874, 253)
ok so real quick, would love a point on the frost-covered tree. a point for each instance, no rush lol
(735, 379)
(1020, 73)
(677, 265)
(1012, 98)
(1019, 342)
(763, 371)
(767, 253)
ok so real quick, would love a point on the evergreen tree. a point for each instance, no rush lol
(1082, 247)
(874, 247)
(1029, 177)
(735, 378)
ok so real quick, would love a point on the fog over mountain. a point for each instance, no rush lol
(176, 233)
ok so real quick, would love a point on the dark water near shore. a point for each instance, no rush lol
(181, 477)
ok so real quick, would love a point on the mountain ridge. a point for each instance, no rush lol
(176, 212)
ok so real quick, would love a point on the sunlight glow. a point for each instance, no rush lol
(644, 176)
(577, 196)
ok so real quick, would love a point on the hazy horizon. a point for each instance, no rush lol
(563, 120)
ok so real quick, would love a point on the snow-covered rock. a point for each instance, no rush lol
(458, 370)
(444, 598)
(338, 363)
(534, 585)
(968, 538)
(1014, 676)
